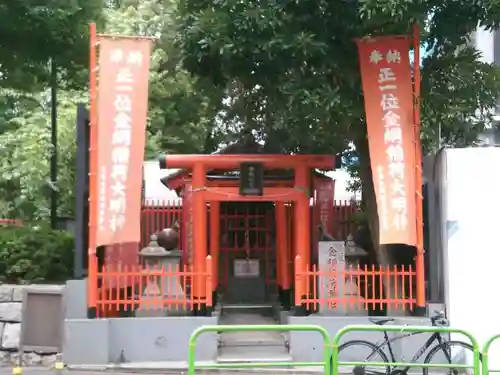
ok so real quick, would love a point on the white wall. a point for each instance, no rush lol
(155, 191)
(471, 242)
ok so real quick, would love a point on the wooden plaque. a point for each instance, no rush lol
(252, 179)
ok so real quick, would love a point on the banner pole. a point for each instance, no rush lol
(419, 260)
(93, 201)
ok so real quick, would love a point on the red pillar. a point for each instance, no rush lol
(199, 231)
(215, 241)
(302, 217)
(282, 247)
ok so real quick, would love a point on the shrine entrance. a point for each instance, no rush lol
(247, 264)
(249, 215)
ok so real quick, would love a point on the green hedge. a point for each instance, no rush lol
(35, 254)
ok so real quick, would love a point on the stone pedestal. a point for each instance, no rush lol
(162, 282)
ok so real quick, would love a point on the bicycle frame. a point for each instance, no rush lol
(387, 342)
(337, 363)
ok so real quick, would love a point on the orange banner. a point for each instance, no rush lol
(388, 94)
(122, 104)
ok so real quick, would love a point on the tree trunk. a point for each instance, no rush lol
(385, 254)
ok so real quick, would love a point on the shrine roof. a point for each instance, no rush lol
(176, 177)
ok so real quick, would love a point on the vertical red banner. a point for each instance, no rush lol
(388, 94)
(323, 211)
(324, 215)
(121, 125)
(187, 225)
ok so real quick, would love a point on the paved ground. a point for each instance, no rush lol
(43, 371)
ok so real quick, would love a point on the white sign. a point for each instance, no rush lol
(246, 268)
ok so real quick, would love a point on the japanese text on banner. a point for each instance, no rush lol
(122, 105)
(387, 87)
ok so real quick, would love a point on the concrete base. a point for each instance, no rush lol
(76, 299)
(126, 340)
(146, 342)
(308, 346)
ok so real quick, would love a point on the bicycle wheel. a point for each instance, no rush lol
(363, 351)
(450, 352)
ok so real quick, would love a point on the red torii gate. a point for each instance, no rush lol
(299, 193)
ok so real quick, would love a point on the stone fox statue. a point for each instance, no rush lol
(168, 238)
(323, 233)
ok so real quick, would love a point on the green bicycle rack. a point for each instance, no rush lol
(408, 329)
(485, 354)
(192, 366)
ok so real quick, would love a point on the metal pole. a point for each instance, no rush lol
(53, 141)
(81, 191)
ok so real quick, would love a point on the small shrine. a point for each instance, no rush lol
(252, 213)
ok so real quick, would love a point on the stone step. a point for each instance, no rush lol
(257, 342)
(264, 310)
(254, 354)
(246, 317)
(252, 341)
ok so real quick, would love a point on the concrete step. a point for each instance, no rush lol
(255, 343)
(252, 340)
(243, 355)
(265, 310)
(246, 317)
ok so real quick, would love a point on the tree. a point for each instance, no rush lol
(181, 114)
(291, 70)
(33, 33)
(25, 159)
(182, 109)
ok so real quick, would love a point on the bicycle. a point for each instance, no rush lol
(377, 353)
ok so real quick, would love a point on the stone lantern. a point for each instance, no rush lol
(160, 287)
(353, 255)
(353, 252)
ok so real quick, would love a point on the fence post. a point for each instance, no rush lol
(208, 280)
(298, 281)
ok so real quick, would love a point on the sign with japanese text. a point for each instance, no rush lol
(252, 179)
(246, 268)
(332, 264)
(388, 95)
(121, 131)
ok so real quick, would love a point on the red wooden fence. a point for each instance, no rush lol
(158, 214)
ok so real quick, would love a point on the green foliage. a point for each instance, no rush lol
(25, 159)
(182, 109)
(35, 255)
(290, 69)
(33, 33)
(294, 65)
